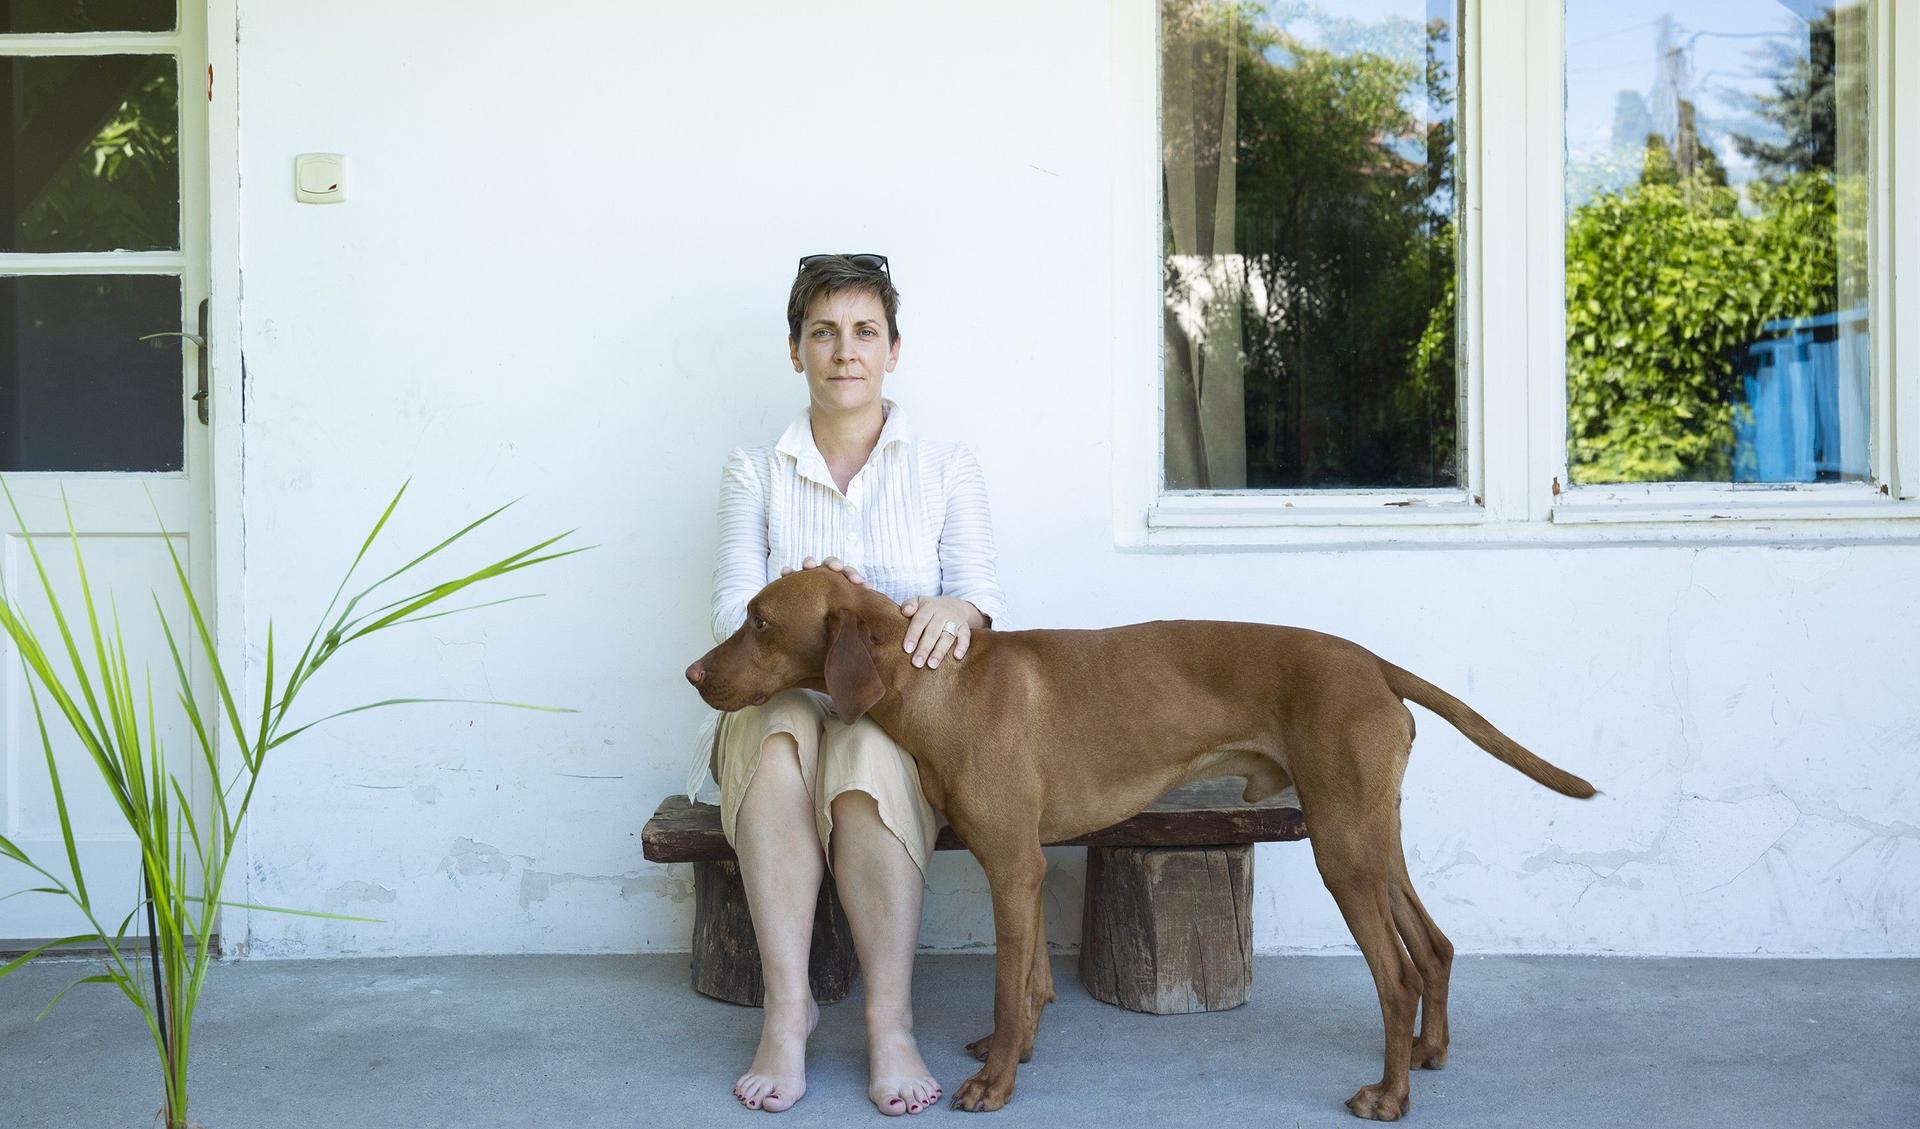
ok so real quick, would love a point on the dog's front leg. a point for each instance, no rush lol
(1039, 988)
(1015, 876)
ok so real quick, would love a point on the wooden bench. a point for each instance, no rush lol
(1166, 924)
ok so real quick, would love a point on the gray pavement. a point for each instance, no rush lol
(622, 1041)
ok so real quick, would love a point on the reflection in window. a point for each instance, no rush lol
(1308, 159)
(79, 390)
(1716, 240)
(86, 15)
(92, 161)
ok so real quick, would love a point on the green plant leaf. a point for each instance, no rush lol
(23, 958)
(285, 737)
(295, 912)
(59, 797)
(98, 978)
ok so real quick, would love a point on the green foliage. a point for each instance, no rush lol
(1665, 281)
(1815, 88)
(1350, 364)
(185, 852)
(105, 170)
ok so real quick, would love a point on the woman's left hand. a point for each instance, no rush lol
(939, 625)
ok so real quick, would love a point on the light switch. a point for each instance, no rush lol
(320, 178)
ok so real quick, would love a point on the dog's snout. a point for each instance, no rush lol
(696, 673)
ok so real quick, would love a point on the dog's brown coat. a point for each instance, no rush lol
(1043, 735)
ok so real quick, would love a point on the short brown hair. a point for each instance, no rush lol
(836, 274)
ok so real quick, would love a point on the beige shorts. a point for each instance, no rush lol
(834, 758)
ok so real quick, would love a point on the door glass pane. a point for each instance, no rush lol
(78, 389)
(1308, 156)
(93, 155)
(1717, 240)
(87, 15)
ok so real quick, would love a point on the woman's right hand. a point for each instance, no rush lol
(834, 563)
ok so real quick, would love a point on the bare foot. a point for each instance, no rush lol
(778, 1076)
(899, 1081)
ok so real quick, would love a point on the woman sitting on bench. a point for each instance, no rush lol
(848, 486)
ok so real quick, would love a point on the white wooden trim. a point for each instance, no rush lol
(1244, 509)
(1898, 357)
(1645, 528)
(98, 262)
(1469, 175)
(1545, 281)
(1503, 157)
(100, 43)
(1134, 137)
(225, 478)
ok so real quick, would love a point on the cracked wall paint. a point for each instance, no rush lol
(469, 857)
(348, 892)
(1748, 712)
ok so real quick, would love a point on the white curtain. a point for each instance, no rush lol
(1206, 432)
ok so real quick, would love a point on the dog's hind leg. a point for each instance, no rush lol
(1348, 851)
(1432, 954)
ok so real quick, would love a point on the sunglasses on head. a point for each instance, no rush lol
(864, 261)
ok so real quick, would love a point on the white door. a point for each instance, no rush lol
(103, 244)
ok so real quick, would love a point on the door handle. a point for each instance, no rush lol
(200, 393)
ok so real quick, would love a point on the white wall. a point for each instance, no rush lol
(561, 275)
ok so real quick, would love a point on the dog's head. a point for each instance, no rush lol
(812, 628)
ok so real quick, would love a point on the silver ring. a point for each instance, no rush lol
(950, 628)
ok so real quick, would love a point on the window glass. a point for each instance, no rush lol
(1717, 240)
(79, 390)
(93, 153)
(86, 15)
(1308, 155)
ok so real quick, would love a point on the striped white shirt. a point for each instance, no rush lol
(913, 521)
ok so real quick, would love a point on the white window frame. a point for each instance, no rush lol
(1513, 326)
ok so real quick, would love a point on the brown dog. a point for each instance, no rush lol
(1044, 735)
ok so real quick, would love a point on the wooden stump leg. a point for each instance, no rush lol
(1169, 929)
(726, 959)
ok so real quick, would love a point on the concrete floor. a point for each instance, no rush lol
(622, 1041)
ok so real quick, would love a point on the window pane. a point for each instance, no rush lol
(78, 389)
(1717, 240)
(1308, 159)
(93, 156)
(87, 15)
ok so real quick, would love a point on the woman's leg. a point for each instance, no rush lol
(780, 864)
(880, 887)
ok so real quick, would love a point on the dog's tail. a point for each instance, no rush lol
(1481, 732)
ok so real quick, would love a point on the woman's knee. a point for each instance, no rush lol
(776, 779)
(856, 808)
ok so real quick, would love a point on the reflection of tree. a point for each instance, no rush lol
(1670, 280)
(1805, 105)
(97, 164)
(1342, 206)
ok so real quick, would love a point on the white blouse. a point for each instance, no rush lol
(913, 521)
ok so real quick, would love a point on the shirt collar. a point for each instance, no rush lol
(797, 441)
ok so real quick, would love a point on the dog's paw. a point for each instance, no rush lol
(978, 1048)
(1376, 1103)
(1428, 1058)
(980, 1095)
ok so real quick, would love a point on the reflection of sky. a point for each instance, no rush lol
(1727, 58)
(1395, 29)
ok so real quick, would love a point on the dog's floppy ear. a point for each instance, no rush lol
(852, 682)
